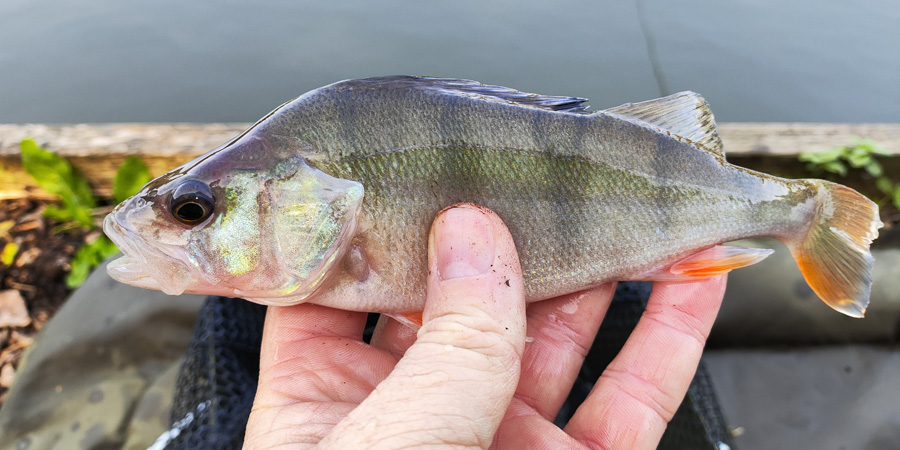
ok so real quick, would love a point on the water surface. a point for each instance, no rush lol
(171, 61)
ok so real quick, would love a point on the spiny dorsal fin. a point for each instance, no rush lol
(685, 114)
(475, 89)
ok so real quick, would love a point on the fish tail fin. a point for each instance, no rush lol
(833, 253)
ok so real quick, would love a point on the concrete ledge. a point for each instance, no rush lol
(842, 397)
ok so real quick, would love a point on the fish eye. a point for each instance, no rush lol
(192, 202)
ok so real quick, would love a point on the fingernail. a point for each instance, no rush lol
(464, 243)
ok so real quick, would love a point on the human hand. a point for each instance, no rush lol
(467, 379)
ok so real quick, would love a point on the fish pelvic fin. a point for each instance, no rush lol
(707, 263)
(833, 254)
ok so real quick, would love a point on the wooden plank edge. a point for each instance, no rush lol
(792, 139)
(194, 139)
(97, 150)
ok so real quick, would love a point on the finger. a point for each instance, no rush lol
(643, 386)
(393, 336)
(313, 369)
(309, 351)
(561, 331)
(455, 382)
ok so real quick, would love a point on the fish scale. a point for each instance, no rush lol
(575, 238)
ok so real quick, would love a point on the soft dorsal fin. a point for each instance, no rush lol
(469, 88)
(685, 114)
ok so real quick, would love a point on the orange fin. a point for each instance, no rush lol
(709, 263)
(413, 319)
(833, 254)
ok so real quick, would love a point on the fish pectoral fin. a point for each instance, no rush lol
(708, 263)
(685, 114)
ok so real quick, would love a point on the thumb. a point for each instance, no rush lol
(454, 384)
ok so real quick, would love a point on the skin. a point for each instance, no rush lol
(468, 379)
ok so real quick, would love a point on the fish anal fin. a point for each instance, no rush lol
(685, 114)
(412, 320)
(708, 263)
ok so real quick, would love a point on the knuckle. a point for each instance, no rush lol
(472, 332)
(559, 333)
(646, 393)
(682, 323)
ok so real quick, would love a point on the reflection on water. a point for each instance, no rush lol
(106, 60)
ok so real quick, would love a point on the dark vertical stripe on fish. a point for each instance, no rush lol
(554, 175)
(449, 127)
(346, 112)
(664, 206)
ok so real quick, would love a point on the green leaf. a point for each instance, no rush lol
(81, 268)
(8, 255)
(859, 157)
(58, 214)
(87, 257)
(862, 143)
(874, 168)
(821, 157)
(897, 198)
(884, 184)
(57, 176)
(870, 146)
(858, 161)
(835, 167)
(133, 175)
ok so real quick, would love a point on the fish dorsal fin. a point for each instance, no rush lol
(474, 89)
(685, 114)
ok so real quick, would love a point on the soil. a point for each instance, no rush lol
(37, 274)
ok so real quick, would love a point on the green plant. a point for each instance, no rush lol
(88, 256)
(57, 176)
(858, 155)
(79, 205)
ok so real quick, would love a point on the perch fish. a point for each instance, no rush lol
(329, 199)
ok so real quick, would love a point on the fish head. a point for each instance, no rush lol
(247, 221)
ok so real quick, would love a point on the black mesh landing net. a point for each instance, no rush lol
(218, 380)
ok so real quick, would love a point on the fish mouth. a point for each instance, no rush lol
(141, 267)
(128, 270)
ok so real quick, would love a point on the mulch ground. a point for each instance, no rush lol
(36, 277)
